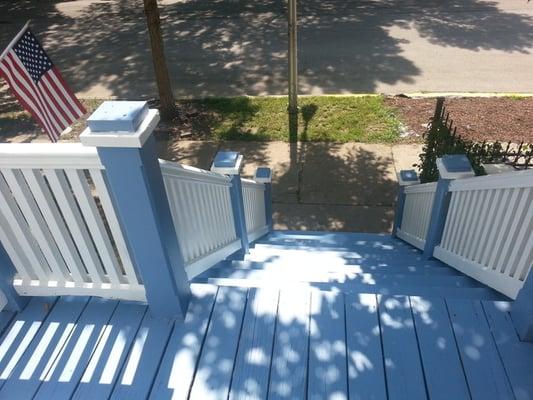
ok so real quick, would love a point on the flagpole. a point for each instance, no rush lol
(15, 40)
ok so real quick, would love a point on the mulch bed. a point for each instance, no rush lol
(490, 119)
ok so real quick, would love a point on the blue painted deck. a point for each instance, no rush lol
(294, 339)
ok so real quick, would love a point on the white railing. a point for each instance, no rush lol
(253, 195)
(58, 224)
(417, 213)
(201, 209)
(488, 233)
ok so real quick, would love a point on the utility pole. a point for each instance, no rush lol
(293, 62)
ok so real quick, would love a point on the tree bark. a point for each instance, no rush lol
(166, 98)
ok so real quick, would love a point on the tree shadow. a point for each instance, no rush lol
(236, 47)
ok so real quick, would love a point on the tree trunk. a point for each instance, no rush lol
(168, 108)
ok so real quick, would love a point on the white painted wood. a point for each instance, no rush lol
(254, 207)
(488, 231)
(200, 205)
(417, 213)
(48, 155)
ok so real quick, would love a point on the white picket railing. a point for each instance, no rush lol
(201, 209)
(253, 194)
(488, 233)
(58, 224)
(417, 213)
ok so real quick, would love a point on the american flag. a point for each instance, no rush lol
(38, 85)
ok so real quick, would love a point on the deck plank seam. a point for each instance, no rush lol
(62, 347)
(127, 351)
(310, 305)
(418, 347)
(378, 312)
(204, 337)
(273, 344)
(97, 343)
(247, 299)
(457, 348)
(346, 355)
(491, 330)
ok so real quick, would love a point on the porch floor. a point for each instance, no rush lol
(275, 341)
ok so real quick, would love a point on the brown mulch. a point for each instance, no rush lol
(476, 118)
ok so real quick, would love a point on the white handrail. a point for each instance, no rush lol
(58, 224)
(417, 213)
(201, 209)
(488, 229)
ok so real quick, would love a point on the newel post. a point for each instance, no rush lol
(522, 310)
(264, 175)
(122, 134)
(230, 163)
(406, 177)
(453, 166)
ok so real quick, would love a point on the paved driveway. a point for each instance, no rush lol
(232, 47)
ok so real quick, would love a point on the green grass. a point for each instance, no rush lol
(321, 118)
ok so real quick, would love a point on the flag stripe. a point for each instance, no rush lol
(52, 100)
(45, 81)
(57, 88)
(28, 81)
(67, 91)
(50, 111)
(21, 96)
(27, 92)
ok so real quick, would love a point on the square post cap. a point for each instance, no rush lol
(120, 124)
(407, 177)
(263, 175)
(227, 163)
(454, 166)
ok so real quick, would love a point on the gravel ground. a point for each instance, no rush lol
(494, 118)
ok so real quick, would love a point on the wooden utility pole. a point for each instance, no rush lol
(166, 98)
(293, 64)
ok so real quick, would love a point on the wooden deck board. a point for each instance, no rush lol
(440, 357)
(327, 348)
(366, 373)
(44, 348)
(178, 366)
(483, 368)
(405, 377)
(252, 365)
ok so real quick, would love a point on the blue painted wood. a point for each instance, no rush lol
(237, 206)
(106, 361)
(443, 370)
(288, 371)
(522, 310)
(439, 211)
(118, 116)
(483, 369)
(65, 373)
(327, 347)
(7, 272)
(215, 366)
(140, 368)
(5, 319)
(516, 355)
(20, 333)
(177, 368)
(398, 211)
(252, 365)
(268, 206)
(405, 377)
(139, 196)
(45, 346)
(456, 163)
(366, 376)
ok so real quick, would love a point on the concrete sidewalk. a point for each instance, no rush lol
(317, 186)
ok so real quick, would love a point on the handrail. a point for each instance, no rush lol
(508, 180)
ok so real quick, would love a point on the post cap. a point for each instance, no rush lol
(227, 162)
(120, 124)
(407, 177)
(454, 166)
(263, 175)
